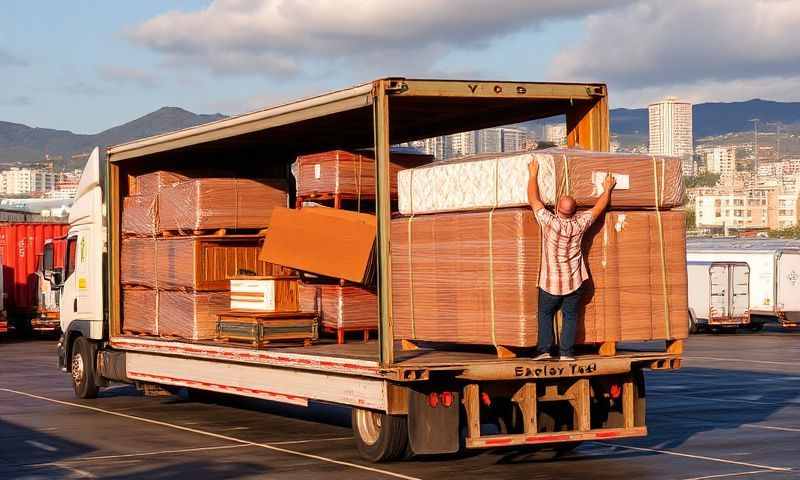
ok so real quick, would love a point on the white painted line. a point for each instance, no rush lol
(722, 400)
(770, 427)
(739, 360)
(142, 454)
(76, 471)
(738, 474)
(41, 446)
(215, 435)
(296, 442)
(697, 457)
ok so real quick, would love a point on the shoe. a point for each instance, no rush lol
(543, 356)
(566, 358)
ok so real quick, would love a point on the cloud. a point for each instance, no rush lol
(697, 49)
(290, 37)
(82, 88)
(127, 75)
(16, 101)
(8, 59)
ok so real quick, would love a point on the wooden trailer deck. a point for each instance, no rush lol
(362, 359)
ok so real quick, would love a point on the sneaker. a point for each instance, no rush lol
(566, 358)
(543, 356)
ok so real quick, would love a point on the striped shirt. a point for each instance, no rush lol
(563, 269)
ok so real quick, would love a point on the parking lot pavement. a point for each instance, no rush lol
(733, 411)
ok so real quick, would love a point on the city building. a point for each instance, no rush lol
(670, 123)
(721, 160)
(23, 181)
(514, 139)
(768, 208)
(556, 133)
(490, 140)
(460, 144)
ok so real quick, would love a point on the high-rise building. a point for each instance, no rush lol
(514, 139)
(490, 140)
(720, 160)
(670, 127)
(460, 144)
(434, 146)
(20, 181)
(556, 133)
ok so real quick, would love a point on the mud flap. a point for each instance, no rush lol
(433, 430)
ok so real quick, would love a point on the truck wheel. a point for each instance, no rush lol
(756, 327)
(693, 327)
(380, 437)
(82, 369)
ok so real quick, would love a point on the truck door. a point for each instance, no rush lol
(740, 290)
(788, 284)
(83, 291)
(718, 278)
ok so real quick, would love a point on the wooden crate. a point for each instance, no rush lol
(265, 294)
(260, 329)
(207, 263)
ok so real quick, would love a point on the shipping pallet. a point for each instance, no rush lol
(609, 349)
(502, 351)
(137, 333)
(336, 198)
(342, 331)
(260, 329)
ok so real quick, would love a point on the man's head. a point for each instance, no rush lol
(566, 206)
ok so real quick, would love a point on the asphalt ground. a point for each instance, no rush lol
(732, 411)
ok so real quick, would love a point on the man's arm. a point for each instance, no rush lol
(602, 203)
(533, 186)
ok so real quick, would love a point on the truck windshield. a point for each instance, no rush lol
(47, 258)
(72, 243)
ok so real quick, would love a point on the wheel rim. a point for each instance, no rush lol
(369, 425)
(77, 368)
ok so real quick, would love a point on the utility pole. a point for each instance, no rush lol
(755, 145)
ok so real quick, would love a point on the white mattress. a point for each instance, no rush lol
(485, 182)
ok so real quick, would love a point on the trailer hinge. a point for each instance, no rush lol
(396, 85)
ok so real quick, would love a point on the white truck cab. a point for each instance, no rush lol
(83, 286)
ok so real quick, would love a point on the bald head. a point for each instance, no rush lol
(566, 206)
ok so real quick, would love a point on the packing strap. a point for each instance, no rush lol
(493, 324)
(410, 261)
(565, 188)
(661, 248)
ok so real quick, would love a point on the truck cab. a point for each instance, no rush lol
(49, 272)
(81, 287)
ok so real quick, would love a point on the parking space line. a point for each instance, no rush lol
(723, 400)
(41, 446)
(770, 427)
(214, 435)
(133, 455)
(697, 457)
(737, 474)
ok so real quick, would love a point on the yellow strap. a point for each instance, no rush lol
(662, 252)
(411, 279)
(565, 187)
(491, 278)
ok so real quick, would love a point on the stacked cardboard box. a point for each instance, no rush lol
(348, 173)
(479, 268)
(348, 307)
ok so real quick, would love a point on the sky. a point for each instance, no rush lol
(86, 66)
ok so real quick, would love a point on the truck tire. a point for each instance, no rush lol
(380, 437)
(82, 369)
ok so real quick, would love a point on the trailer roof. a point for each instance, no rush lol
(341, 119)
(741, 245)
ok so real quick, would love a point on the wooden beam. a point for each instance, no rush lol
(675, 347)
(583, 421)
(588, 126)
(608, 349)
(628, 413)
(494, 89)
(472, 407)
(526, 399)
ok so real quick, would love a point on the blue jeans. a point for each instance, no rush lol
(548, 306)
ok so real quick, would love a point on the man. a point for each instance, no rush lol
(563, 270)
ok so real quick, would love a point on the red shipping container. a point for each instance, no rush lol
(21, 245)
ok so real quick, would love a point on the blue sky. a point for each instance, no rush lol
(87, 66)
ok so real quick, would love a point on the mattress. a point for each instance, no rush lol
(472, 278)
(501, 180)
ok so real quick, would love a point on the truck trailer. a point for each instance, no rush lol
(719, 295)
(426, 401)
(774, 273)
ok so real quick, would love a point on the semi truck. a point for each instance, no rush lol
(50, 263)
(774, 273)
(424, 401)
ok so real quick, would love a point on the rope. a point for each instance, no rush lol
(661, 249)
(491, 253)
(565, 188)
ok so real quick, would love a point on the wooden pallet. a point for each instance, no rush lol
(262, 328)
(609, 349)
(502, 351)
(215, 232)
(341, 332)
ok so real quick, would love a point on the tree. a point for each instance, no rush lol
(788, 232)
(707, 179)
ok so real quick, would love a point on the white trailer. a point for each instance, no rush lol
(774, 272)
(719, 295)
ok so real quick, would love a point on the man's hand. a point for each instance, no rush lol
(609, 182)
(533, 186)
(533, 168)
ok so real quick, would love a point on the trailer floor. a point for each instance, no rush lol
(733, 411)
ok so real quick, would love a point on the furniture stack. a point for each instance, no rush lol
(468, 249)
(175, 275)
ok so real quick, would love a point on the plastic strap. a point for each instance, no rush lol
(411, 263)
(565, 187)
(664, 289)
(491, 255)
(358, 183)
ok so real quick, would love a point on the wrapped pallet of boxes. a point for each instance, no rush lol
(348, 308)
(152, 183)
(480, 271)
(219, 203)
(191, 274)
(501, 180)
(348, 173)
(139, 310)
(139, 216)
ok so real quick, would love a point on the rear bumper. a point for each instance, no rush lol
(492, 441)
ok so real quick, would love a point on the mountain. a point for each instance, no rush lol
(708, 118)
(20, 143)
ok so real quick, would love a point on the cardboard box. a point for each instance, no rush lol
(265, 294)
(324, 241)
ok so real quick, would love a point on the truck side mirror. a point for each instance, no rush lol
(55, 278)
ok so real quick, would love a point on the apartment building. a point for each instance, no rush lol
(754, 208)
(670, 124)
